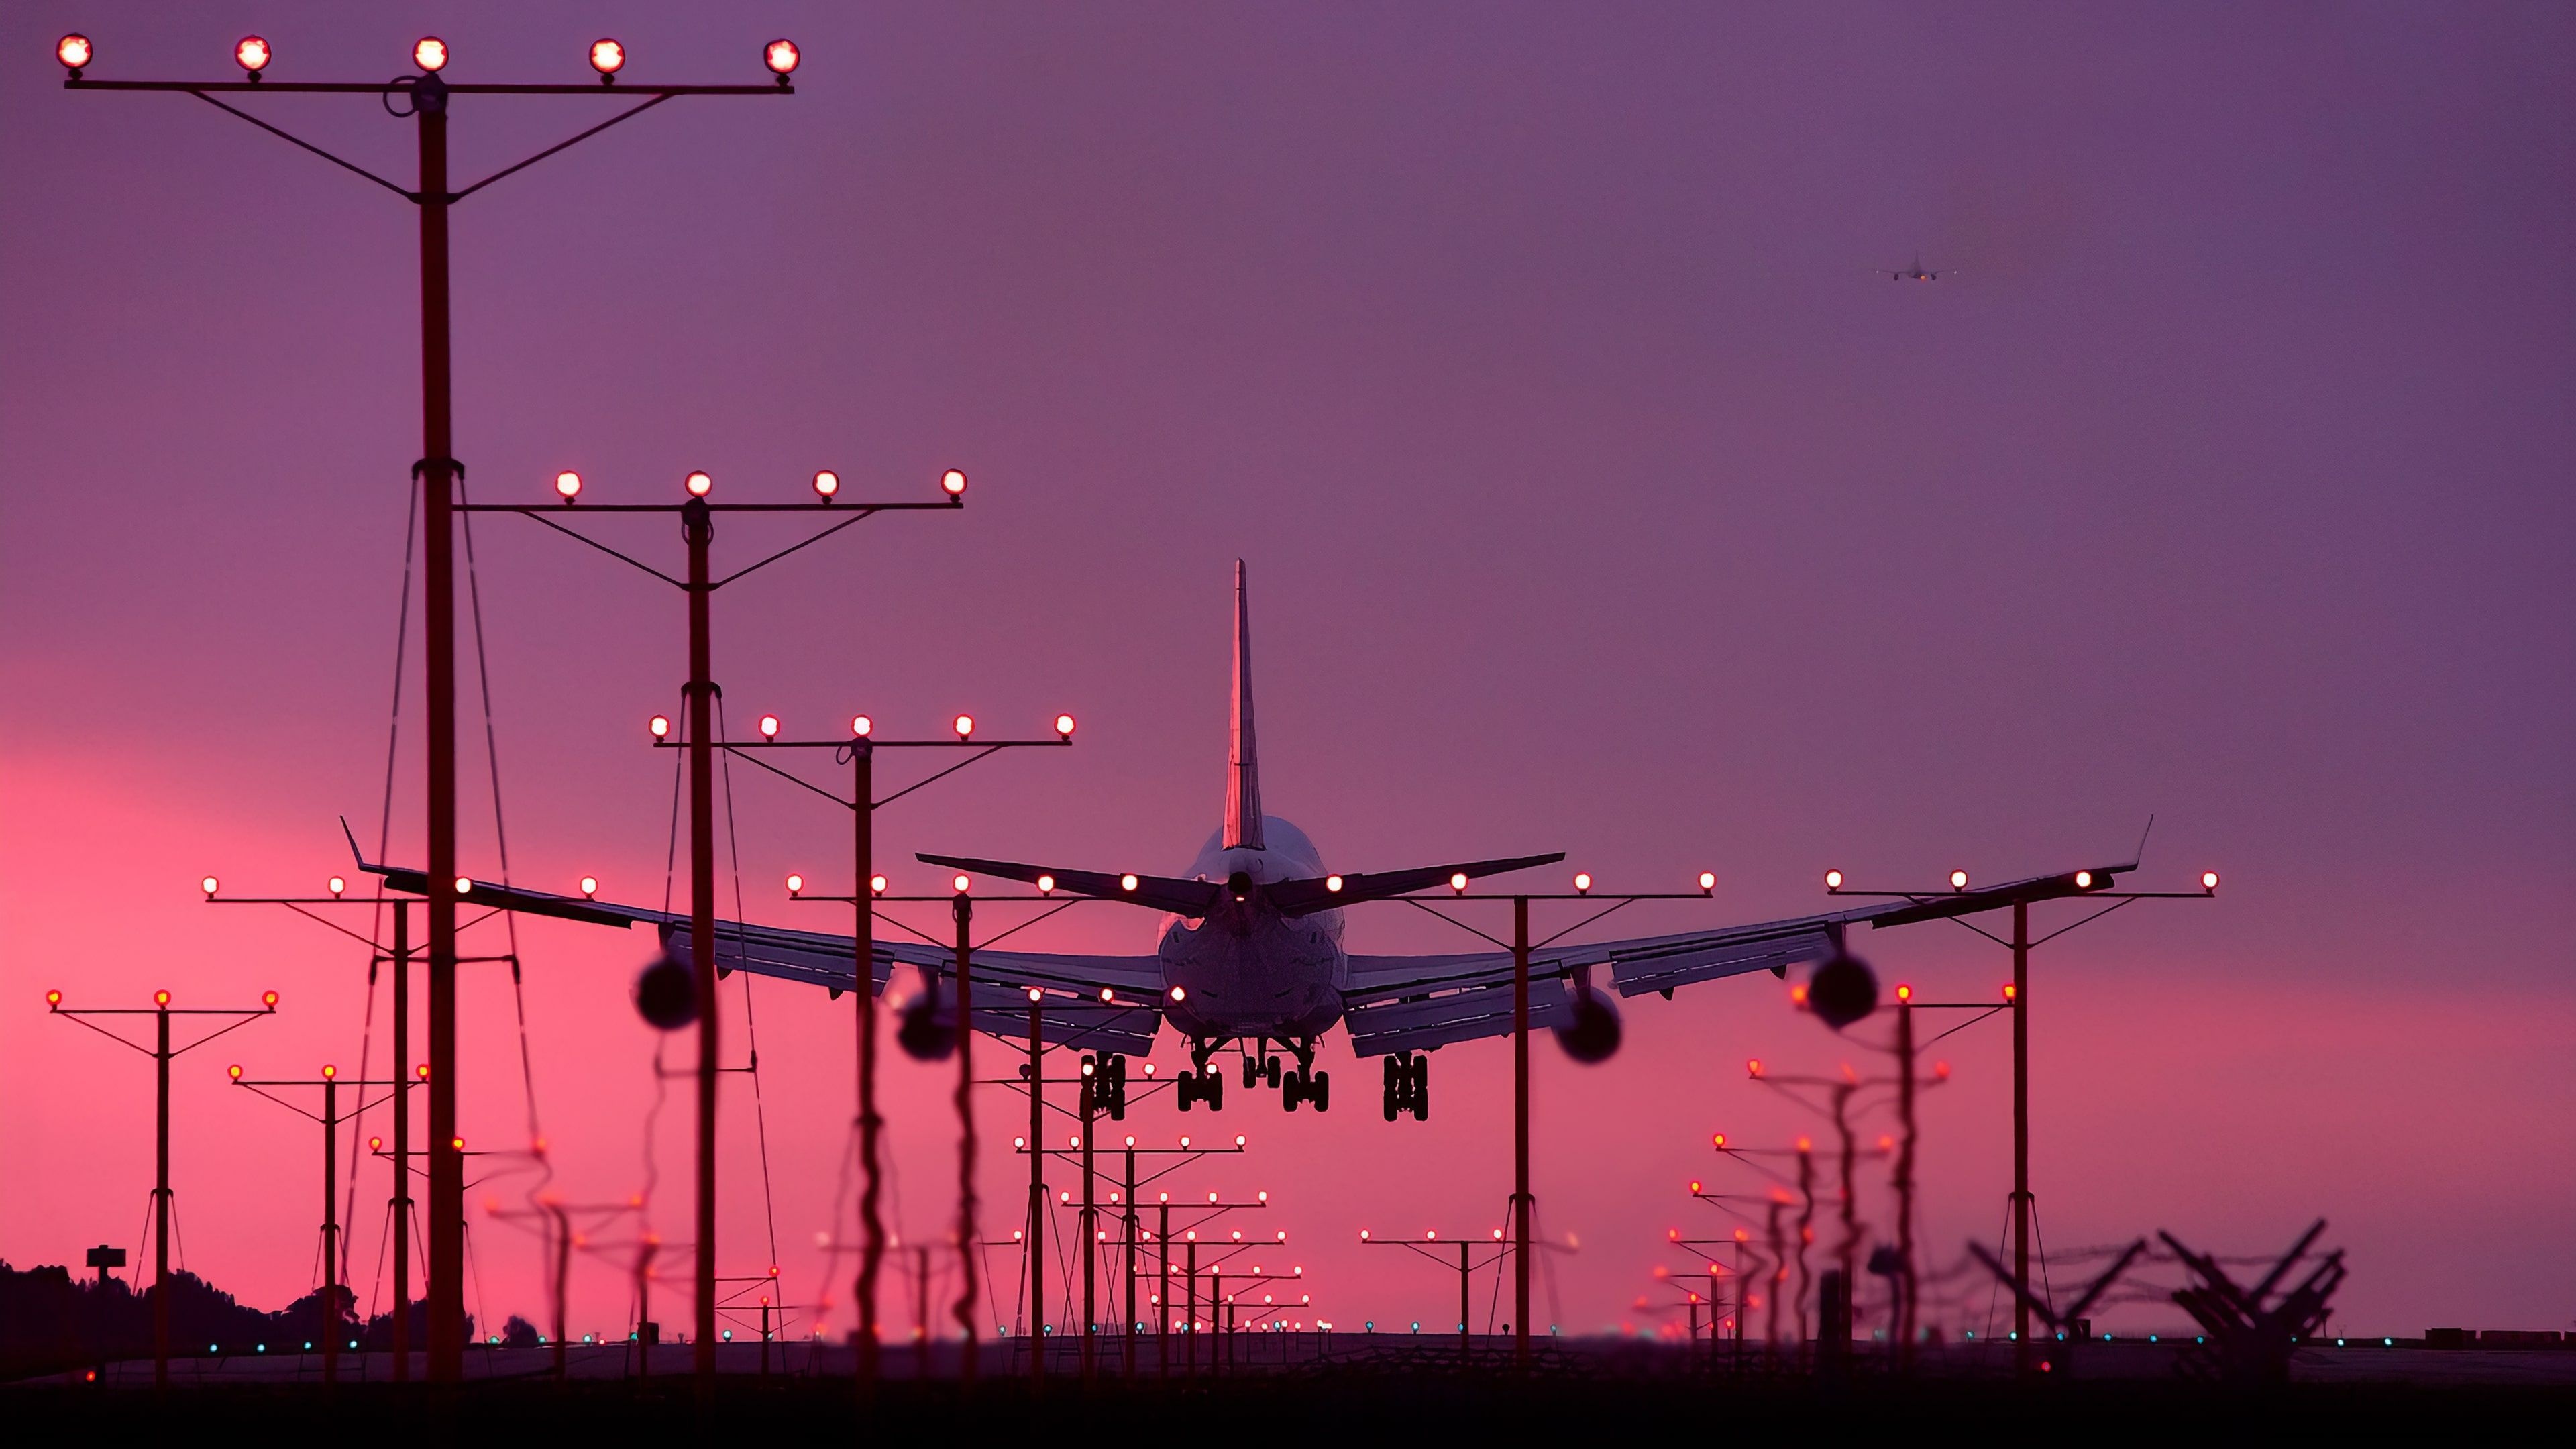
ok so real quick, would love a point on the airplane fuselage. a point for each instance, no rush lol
(1245, 970)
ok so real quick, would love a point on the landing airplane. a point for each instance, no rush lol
(1914, 273)
(1249, 954)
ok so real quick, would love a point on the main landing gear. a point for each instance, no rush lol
(1408, 1086)
(1203, 1083)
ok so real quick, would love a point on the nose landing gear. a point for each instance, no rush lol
(1408, 1086)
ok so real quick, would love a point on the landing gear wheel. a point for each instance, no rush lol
(1395, 1078)
(1212, 1091)
(1188, 1083)
(1251, 1072)
(1270, 1069)
(1319, 1089)
(1292, 1090)
(1420, 1072)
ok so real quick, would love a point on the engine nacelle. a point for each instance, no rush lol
(1593, 1037)
(666, 994)
(1842, 990)
(924, 1031)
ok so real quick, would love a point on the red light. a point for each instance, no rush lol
(1806, 1144)
(1582, 882)
(465, 885)
(1958, 880)
(1707, 881)
(233, 1072)
(1127, 882)
(2209, 880)
(330, 1072)
(1941, 1069)
(53, 998)
(567, 485)
(1833, 880)
(877, 884)
(1064, 725)
(73, 51)
(700, 485)
(964, 724)
(607, 57)
(457, 1143)
(429, 53)
(2009, 992)
(209, 883)
(268, 999)
(826, 483)
(769, 727)
(661, 727)
(1753, 1068)
(251, 54)
(953, 483)
(375, 1144)
(1046, 885)
(1458, 883)
(1798, 993)
(781, 58)
(860, 725)
(336, 885)
(160, 998)
(1333, 883)
(1904, 992)
(421, 1071)
(1717, 1140)
(589, 885)
(795, 885)
(960, 884)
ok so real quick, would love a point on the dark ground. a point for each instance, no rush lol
(1347, 1406)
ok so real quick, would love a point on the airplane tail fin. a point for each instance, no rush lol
(1243, 769)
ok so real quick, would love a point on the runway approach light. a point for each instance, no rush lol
(607, 57)
(795, 885)
(877, 885)
(661, 726)
(700, 485)
(1046, 885)
(1958, 880)
(1904, 992)
(465, 885)
(769, 727)
(960, 884)
(429, 53)
(589, 886)
(2209, 880)
(1333, 883)
(1458, 883)
(1833, 880)
(1582, 883)
(1718, 1141)
(73, 51)
(251, 54)
(337, 884)
(567, 485)
(964, 724)
(953, 483)
(860, 725)
(1753, 1068)
(781, 58)
(1064, 726)
(826, 483)
(210, 883)
(268, 999)
(160, 998)
(1707, 881)
(1127, 882)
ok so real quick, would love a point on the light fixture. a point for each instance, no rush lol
(209, 883)
(781, 58)
(1064, 725)
(269, 1000)
(1046, 885)
(1127, 882)
(337, 885)
(464, 885)
(160, 998)
(876, 885)
(608, 58)
(1958, 880)
(1458, 882)
(964, 724)
(699, 484)
(1833, 880)
(860, 725)
(1707, 881)
(795, 885)
(429, 53)
(1179, 994)
(826, 483)
(2209, 880)
(953, 483)
(2084, 880)
(661, 726)
(1904, 992)
(73, 51)
(567, 485)
(960, 884)
(251, 54)
(589, 886)
(1582, 883)
(769, 727)
(1753, 1068)
(1333, 883)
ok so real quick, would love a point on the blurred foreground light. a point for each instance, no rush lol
(781, 57)
(607, 56)
(251, 54)
(73, 51)
(429, 53)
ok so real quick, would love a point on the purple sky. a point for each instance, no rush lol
(1596, 497)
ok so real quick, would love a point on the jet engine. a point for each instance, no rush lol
(924, 1031)
(666, 994)
(1842, 990)
(1593, 1036)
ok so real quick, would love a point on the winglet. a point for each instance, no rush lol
(355, 853)
(1243, 768)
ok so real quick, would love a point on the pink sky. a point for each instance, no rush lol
(1595, 498)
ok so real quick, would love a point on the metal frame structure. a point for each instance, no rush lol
(161, 1053)
(330, 1118)
(428, 94)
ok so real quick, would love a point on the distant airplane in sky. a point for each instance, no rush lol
(1250, 954)
(1914, 273)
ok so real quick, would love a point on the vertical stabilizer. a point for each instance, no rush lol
(1242, 768)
